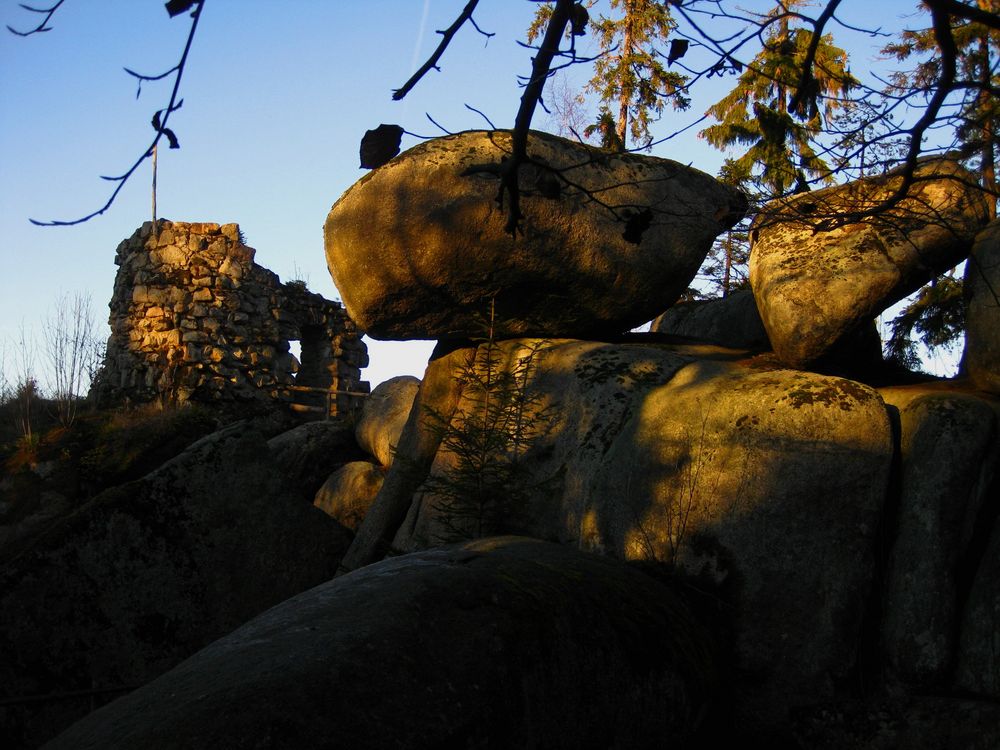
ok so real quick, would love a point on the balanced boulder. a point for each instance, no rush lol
(419, 247)
(817, 273)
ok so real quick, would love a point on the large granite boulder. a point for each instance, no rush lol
(768, 482)
(731, 321)
(948, 456)
(504, 643)
(814, 284)
(147, 573)
(418, 247)
(383, 416)
(982, 318)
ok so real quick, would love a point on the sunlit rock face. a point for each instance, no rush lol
(814, 284)
(418, 247)
(847, 529)
(982, 320)
(506, 643)
(769, 482)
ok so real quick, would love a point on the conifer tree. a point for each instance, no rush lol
(767, 113)
(485, 488)
(631, 77)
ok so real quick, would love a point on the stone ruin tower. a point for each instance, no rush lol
(194, 318)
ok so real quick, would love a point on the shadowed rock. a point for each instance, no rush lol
(769, 482)
(499, 643)
(147, 573)
(947, 456)
(731, 321)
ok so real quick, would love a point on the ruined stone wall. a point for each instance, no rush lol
(193, 317)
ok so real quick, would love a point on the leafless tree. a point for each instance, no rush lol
(25, 390)
(72, 350)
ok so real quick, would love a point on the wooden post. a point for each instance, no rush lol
(154, 189)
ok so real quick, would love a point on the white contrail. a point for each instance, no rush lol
(420, 35)
(416, 49)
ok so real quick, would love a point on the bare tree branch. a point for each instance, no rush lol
(540, 69)
(968, 12)
(803, 86)
(481, 114)
(432, 61)
(946, 79)
(160, 119)
(47, 12)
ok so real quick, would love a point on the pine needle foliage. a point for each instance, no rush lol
(976, 116)
(485, 489)
(935, 317)
(756, 115)
(632, 79)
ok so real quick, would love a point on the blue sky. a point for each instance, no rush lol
(276, 98)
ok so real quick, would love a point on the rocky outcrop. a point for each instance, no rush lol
(845, 532)
(148, 572)
(383, 415)
(731, 321)
(498, 643)
(769, 482)
(193, 317)
(349, 492)
(843, 526)
(815, 283)
(607, 240)
(982, 317)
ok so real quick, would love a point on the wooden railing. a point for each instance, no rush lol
(330, 409)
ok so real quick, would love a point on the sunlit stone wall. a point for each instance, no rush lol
(194, 318)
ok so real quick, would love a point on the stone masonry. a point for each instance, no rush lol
(194, 318)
